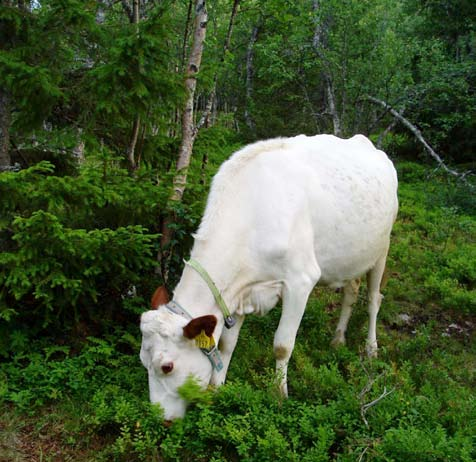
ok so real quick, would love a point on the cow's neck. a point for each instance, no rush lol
(193, 293)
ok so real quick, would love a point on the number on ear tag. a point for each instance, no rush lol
(202, 340)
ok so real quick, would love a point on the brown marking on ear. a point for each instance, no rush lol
(196, 325)
(160, 297)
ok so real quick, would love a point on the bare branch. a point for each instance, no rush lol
(363, 453)
(384, 394)
(364, 407)
(420, 138)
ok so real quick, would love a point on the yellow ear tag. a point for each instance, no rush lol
(202, 340)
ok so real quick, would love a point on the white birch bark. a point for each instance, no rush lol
(226, 47)
(249, 78)
(131, 150)
(188, 127)
(318, 44)
(332, 106)
(188, 130)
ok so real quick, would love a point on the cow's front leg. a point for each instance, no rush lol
(294, 303)
(226, 345)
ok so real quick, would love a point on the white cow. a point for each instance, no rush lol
(282, 215)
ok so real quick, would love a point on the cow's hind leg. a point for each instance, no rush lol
(374, 279)
(295, 297)
(351, 293)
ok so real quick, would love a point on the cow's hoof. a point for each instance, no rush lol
(372, 350)
(339, 340)
(283, 390)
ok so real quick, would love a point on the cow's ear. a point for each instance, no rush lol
(206, 323)
(160, 297)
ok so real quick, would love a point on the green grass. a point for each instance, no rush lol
(60, 403)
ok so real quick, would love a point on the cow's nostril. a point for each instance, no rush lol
(167, 367)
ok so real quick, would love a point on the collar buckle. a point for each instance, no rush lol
(215, 358)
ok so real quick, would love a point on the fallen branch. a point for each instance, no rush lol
(364, 407)
(388, 129)
(420, 138)
(363, 453)
(16, 167)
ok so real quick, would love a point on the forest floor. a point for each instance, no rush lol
(415, 402)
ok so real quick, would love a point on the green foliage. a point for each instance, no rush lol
(443, 100)
(87, 77)
(78, 239)
(191, 391)
(72, 247)
(359, 47)
(57, 265)
(41, 50)
(438, 241)
(425, 370)
(134, 76)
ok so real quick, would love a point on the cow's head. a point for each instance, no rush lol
(170, 354)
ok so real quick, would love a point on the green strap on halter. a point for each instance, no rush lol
(213, 288)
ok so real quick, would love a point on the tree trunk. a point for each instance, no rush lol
(226, 46)
(5, 122)
(133, 164)
(186, 34)
(188, 128)
(135, 11)
(250, 123)
(318, 42)
(317, 38)
(332, 106)
(78, 150)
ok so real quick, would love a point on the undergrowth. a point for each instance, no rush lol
(415, 402)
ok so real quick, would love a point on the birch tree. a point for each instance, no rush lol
(318, 42)
(189, 131)
(226, 47)
(249, 79)
(133, 164)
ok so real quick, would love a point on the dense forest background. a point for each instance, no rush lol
(114, 116)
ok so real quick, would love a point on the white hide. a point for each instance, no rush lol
(163, 343)
(282, 216)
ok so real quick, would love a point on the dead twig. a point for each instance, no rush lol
(364, 407)
(415, 130)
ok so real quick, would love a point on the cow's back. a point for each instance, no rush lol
(320, 196)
